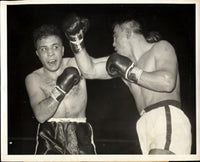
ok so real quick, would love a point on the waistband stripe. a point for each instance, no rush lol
(78, 120)
(163, 103)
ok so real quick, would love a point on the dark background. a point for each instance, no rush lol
(111, 108)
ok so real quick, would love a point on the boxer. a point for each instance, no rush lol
(149, 67)
(58, 98)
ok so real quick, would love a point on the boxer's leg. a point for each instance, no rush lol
(46, 141)
(160, 151)
(85, 140)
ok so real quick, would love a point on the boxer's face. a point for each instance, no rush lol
(121, 41)
(50, 51)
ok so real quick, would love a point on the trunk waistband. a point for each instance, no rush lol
(160, 104)
(78, 120)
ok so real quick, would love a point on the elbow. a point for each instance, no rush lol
(85, 75)
(169, 87)
(169, 83)
(89, 74)
(40, 119)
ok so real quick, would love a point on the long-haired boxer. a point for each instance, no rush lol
(149, 67)
(58, 98)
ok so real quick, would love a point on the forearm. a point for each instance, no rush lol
(85, 63)
(161, 81)
(45, 109)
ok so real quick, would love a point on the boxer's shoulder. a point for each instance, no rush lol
(161, 49)
(35, 75)
(33, 80)
(162, 45)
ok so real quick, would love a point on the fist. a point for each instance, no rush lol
(74, 25)
(117, 65)
(64, 83)
(68, 79)
(74, 28)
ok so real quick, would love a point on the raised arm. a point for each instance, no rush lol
(91, 68)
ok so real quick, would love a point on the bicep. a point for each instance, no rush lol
(163, 77)
(100, 68)
(34, 92)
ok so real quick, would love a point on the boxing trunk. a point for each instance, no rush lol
(65, 137)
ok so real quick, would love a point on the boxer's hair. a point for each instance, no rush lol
(129, 26)
(44, 31)
(135, 27)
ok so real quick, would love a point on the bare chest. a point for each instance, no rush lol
(47, 86)
(74, 102)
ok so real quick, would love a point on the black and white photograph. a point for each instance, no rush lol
(110, 81)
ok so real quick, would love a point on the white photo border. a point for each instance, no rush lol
(4, 119)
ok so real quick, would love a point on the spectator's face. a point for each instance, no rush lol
(50, 51)
(120, 41)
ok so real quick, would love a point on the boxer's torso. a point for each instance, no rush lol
(145, 97)
(74, 103)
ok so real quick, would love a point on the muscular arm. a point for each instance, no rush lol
(74, 28)
(43, 108)
(92, 68)
(163, 79)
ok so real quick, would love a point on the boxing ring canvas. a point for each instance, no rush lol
(111, 108)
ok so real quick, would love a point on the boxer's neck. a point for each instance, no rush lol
(140, 46)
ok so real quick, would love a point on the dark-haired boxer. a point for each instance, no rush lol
(149, 67)
(58, 98)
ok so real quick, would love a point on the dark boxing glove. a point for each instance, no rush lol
(117, 65)
(74, 28)
(65, 82)
(121, 66)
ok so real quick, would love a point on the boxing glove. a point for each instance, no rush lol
(65, 82)
(121, 66)
(74, 28)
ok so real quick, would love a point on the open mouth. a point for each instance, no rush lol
(52, 62)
